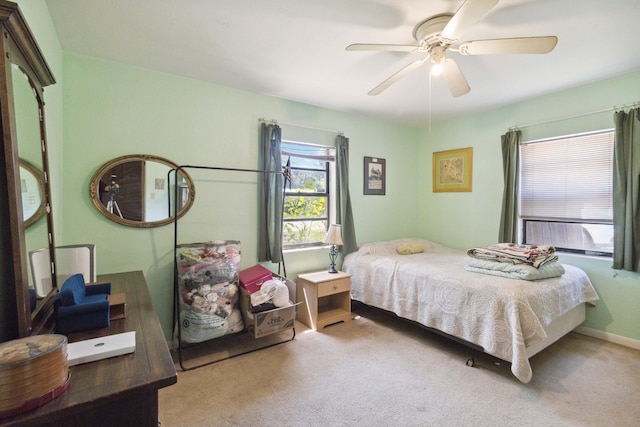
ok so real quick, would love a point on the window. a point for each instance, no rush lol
(566, 192)
(309, 203)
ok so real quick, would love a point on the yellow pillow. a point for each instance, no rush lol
(410, 248)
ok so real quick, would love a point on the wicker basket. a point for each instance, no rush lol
(33, 371)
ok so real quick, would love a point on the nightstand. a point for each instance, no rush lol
(326, 299)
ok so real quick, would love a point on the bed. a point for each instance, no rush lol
(507, 318)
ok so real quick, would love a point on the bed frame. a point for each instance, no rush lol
(557, 329)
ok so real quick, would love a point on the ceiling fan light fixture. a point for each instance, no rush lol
(437, 68)
(437, 60)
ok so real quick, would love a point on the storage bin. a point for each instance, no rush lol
(272, 321)
(252, 278)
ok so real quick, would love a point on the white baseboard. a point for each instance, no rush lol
(606, 336)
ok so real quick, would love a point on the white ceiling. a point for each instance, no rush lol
(295, 49)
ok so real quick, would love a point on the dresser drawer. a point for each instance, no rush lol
(334, 287)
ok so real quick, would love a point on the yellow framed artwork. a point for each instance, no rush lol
(452, 170)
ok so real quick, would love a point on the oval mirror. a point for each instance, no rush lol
(139, 190)
(32, 186)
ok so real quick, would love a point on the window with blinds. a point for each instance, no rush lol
(566, 192)
(308, 203)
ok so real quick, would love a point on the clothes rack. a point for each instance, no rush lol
(176, 291)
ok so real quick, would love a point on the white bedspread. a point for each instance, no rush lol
(502, 315)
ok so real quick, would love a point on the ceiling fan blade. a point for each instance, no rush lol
(504, 46)
(395, 77)
(382, 47)
(469, 13)
(454, 78)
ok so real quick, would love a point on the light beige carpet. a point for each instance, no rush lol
(378, 370)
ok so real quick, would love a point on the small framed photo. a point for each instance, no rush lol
(159, 184)
(452, 170)
(374, 176)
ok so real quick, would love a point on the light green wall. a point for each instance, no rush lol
(464, 220)
(112, 110)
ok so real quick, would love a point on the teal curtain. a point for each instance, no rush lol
(508, 232)
(626, 191)
(271, 195)
(344, 213)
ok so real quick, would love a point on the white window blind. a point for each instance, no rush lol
(308, 151)
(568, 178)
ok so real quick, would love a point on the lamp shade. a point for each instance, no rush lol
(334, 235)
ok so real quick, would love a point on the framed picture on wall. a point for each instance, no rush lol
(374, 176)
(452, 170)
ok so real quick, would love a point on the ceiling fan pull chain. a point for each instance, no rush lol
(430, 77)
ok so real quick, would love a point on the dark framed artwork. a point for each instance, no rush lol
(375, 171)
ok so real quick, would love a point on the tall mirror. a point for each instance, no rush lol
(24, 75)
(140, 190)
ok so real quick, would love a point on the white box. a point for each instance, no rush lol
(270, 321)
(101, 348)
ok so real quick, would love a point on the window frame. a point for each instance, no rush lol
(329, 193)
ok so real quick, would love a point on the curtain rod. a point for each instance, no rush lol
(275, 122)
(615, 107)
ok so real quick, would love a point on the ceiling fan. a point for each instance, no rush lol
(437, 34)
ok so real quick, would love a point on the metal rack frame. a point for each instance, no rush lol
(176, 291)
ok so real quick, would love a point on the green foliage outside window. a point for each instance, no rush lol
(306, 202)
(305, 215)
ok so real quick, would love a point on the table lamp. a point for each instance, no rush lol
(333, 237)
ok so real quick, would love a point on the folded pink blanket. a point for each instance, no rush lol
(534, 255)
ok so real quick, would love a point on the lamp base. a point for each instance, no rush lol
(333, 253)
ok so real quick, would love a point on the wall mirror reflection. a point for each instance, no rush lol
(139, 190)
(32, 189)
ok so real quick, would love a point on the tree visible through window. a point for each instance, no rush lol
(566, 192)
(308, 203)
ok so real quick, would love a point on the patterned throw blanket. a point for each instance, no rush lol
(533, 255)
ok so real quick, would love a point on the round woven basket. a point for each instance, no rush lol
(33, 371)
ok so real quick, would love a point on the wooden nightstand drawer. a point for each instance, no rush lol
(334, 287)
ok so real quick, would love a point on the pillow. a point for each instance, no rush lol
(410, 248)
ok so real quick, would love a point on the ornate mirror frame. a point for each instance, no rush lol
(19, 49)
(103, 179)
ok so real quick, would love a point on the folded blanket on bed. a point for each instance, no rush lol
(514, 271)
(533, 255)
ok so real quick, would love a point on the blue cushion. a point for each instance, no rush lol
(94, 298)
(32, 299)
(72, 291)
(98, 288)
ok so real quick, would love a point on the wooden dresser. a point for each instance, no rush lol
(120, 391)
